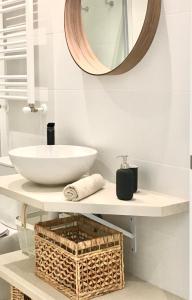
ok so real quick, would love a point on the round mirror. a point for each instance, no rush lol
(110, 36)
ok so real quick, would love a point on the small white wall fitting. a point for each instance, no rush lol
(31, 108)
(110, 3)
(4, 106)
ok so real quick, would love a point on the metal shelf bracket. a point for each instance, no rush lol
(130, 233)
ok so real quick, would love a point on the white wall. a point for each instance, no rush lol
(144, 113)
(190, 287)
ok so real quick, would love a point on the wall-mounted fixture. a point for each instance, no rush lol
(31, 108)
(4, 106)
(109, 2)
(85, 8)
(110, 43)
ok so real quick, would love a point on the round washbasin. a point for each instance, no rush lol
(53, 165)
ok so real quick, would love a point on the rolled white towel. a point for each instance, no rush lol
(84, 187)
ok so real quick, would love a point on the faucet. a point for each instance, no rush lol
(51, 134)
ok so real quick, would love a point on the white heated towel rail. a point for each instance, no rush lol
(17, 43)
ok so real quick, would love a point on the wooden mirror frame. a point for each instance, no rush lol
(83, 54)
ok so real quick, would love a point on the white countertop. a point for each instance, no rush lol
(145, 203)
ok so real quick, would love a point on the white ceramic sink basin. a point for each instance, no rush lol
(53, 165)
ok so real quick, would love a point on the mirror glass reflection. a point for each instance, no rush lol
(112, 27)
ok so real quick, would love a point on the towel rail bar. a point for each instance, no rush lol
(9, 2)
(13, 35)
(14, 84)
(19, 16)
(13, 97)
(13, 90)
(12, 8)
(23, 49)
(13, 76)
(10, 57)
(19, 24)
(4, 44)
(13, 28)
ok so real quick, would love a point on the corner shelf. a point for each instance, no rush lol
(145, 203)
(18, 270)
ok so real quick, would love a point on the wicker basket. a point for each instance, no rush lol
(79, 257)
(18, 295)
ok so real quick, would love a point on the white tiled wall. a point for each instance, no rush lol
(144, 113)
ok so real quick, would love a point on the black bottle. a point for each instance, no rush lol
(51, 134)
(124, 181)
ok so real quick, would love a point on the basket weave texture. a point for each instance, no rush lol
(79, 257)
(18, 295)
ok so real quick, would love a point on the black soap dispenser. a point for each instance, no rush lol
(51, 134)
(124, 180)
